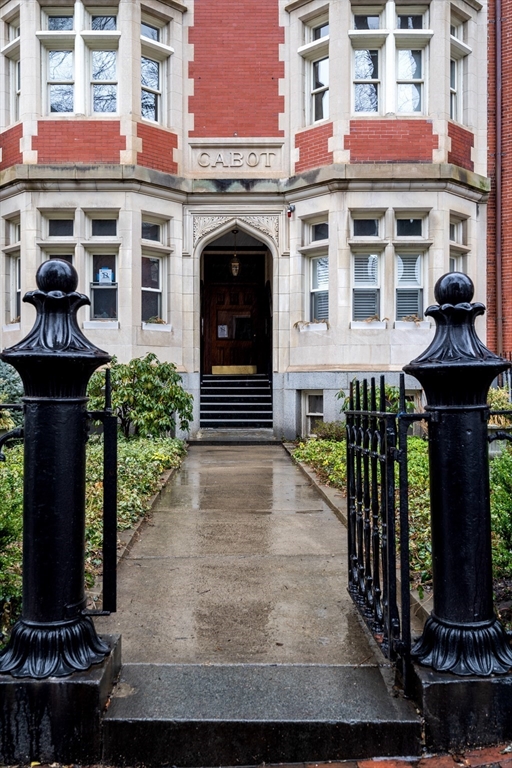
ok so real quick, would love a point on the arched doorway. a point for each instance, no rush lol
(236, 333)
(236, 318)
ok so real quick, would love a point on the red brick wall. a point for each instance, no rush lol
(157, 148)
(236, 68)
(506, 185)
(78, 141)
(391, 141)
(462, 142)
(313, 147)
(10, 144)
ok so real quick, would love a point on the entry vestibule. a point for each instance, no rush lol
(236, 327)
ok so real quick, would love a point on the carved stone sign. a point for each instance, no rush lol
(236, 159)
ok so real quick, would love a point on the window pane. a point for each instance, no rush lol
(320, 73)
(408, 304)
(366, 269)
(367, 65)
(409, 65)
(104, 228)
(366, 22)
(149, 105)
(103, 65)
(151, 306)
(60, 65)
(61, 98)
(366, 98)
(60, 22)
(320, 231)
(104, 269)
(366, 227)
(148, 31)
(453, 70)
(321, 105)
(408, 98)
(320, 305)
(103, 22)
(150, 273)
(321, 31)
(104, 98)
(60, 227)
(104, 303)
(64, 256)
(409, 227)
(150, 73)
(150, 231)
(366, 304)
(315, 404)
(320, 276)
(410, 21)
(409, 270)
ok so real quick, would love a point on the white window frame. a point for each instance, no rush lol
(458, 243)
(459, 52)
(95, 82)
(14, 288)
(418, 82)
(412, 285)
(81, 40)
(313, 51)
(97, 285)
(307, 414)
(162, 316)
(387, 40)
(160, 52)
(323, 289)
(370, 287)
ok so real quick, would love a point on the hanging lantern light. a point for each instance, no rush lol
(235, 261)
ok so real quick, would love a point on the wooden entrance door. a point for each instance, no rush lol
(235, 332)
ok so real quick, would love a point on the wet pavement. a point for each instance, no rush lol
(241, 562)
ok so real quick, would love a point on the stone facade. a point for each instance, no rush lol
(178, 123)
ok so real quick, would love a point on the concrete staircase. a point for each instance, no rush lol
(236, 402)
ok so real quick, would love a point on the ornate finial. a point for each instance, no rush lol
(57, 275)
(457, 368)
(56, 335)
(454, 288)
(455, 339)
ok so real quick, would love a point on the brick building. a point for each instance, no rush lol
(265, 189)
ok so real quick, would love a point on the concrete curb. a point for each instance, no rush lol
(336, 500)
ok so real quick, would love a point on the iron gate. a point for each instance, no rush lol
(378, 515)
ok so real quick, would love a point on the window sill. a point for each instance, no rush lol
(368, 325)
(160, 327)
(407, 325)
(316, 327)
(11, 327)
(103, 325)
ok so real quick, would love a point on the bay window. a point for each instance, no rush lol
(152, 310)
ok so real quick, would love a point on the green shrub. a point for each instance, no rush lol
(146, 396)
(327, 457)
(501, 513)
(11, 391)
(11, 521)
(330, 430)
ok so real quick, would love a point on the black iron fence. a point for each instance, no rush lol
(378, 515)
(378, 509)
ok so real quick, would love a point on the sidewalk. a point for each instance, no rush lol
(241, 561)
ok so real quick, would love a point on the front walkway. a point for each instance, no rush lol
(242, 561)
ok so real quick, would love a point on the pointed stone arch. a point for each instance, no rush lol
(263, 227)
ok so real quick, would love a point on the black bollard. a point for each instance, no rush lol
(55, 362)
(463, 634)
